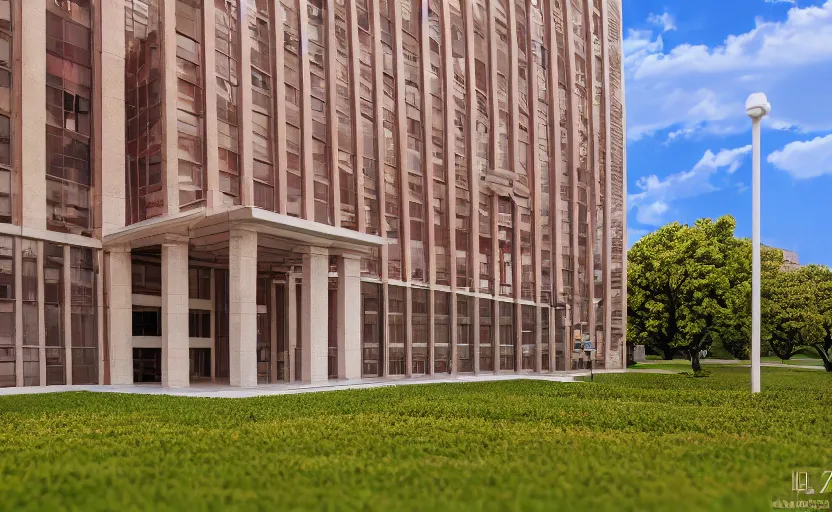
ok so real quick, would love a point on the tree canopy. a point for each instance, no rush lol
(690, 286)
(684, 286)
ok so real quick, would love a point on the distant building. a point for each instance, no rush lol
(790, 259)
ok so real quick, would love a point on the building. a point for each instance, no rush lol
(790, 258)
(301, 190)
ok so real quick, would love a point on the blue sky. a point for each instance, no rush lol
(689, 66)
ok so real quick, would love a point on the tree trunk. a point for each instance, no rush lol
(668, 353)
(694, 360)
(827, 363)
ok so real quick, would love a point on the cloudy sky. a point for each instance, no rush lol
(689, 67)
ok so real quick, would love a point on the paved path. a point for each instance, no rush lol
(208, 390)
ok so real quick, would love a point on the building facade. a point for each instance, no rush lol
(261, 191)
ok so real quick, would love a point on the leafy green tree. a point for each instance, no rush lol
(734, 330)
(790, 316)
(681, 287)
(821, 279)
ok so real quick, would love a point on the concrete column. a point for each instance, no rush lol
(349, 317)
(242, 317)
(42, 317)
(538, 337)
(33, 113)
(18, 311)
(291, 325)
(66, 311)
(175, 356)
(111, 115)
(314, 316)
(121, 316)
(170, 140)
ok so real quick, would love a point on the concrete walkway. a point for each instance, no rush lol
(208, 390)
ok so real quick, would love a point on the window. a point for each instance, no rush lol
(83, 317)
(7, 322)
(262, 105)
(147, 321)
(190, 104)
(442, 332)
(6, 111)
(199, 283)
(371, 329)
(147, 278)
(53, 285)
(227, 71)
(31, 336)
(143, 110)
(464, 335)
(68, 116)
(199, 323)
(396, 308)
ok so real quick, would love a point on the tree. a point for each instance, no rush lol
(790, 318)
(820, 279)
(734, 331)
(682, 284)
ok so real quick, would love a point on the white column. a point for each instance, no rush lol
(66, 311)
(349, 317)
(112, 117)
(33, 113)
(314, 316)
(291, 326)
(242, 317)
(175, 356)
(121, 315)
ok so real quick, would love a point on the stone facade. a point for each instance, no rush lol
(295, 190)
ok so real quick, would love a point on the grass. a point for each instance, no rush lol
(625, 442)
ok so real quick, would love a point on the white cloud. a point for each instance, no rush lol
(693, 89)
(665, 21)
(656, 194)
(805, 159)
(779, 1)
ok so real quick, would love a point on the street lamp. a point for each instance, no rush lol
(757, 107)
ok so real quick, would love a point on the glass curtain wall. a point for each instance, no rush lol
(441, 332)
(227, 56)
(464, 332)
(69, 61)
(190, 104)
(372, 328)
(7, 312)
(540, 74)
(292, 103)
(82, 316)
(7, 109)
(344, 112)
(481, 151)
(317, 45)
(414, 160)
(486, 335)
(143, 110)
(31, 328)
(54, 303)
(396, 328)
(441, 233)
(420, 330)
(262, 104)
(392, 189)
(367, 105)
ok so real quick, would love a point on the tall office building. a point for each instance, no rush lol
(262, 191)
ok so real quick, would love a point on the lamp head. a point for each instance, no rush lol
(757, 106)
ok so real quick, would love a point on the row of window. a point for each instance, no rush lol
(374, 346)
(68, 287)
(147, 321)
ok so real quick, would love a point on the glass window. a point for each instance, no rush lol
(190, 103)
(464, 332)
(143, 110)
(486, 335)
(6, 111)
(199, 283)
(199, 323)
(442, 332)
(507, 336)
(68, 116)
(260, 34)
(372, 328)
(147, 321)
(291, 79)
(53, 278)
(396, 328)
(7, 313)
(420, 335)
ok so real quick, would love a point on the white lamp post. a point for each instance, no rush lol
(757, 107)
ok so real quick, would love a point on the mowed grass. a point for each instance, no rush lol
(624, 442)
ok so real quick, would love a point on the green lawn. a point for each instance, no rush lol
(624, 442)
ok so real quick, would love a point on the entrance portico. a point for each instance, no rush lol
(246, 297)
